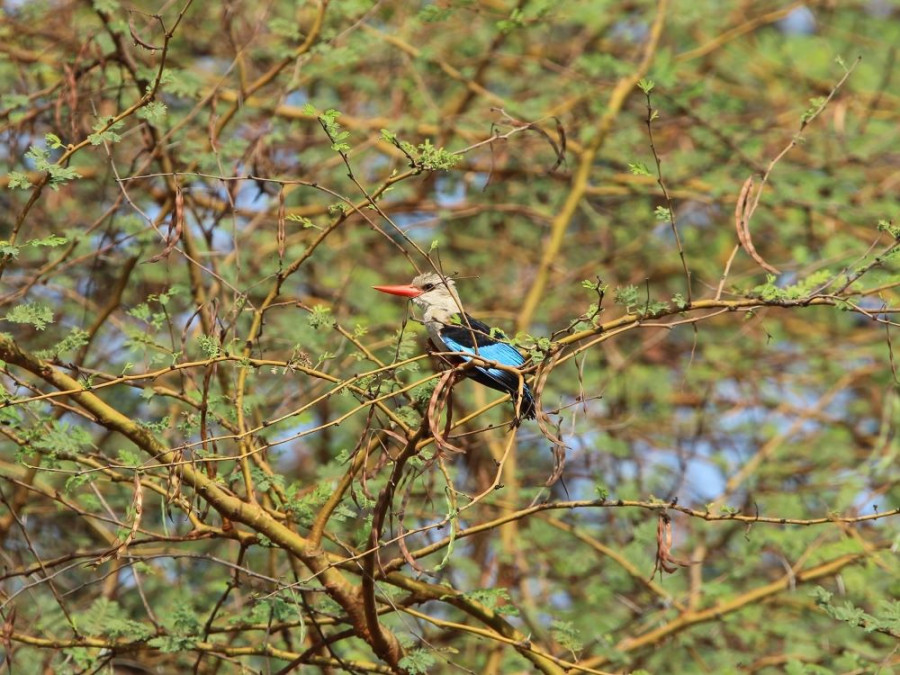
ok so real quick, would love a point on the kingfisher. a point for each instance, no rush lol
(452, 330)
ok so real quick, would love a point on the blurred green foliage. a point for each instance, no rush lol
(228, 180)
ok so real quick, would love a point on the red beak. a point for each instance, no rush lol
(408, 290)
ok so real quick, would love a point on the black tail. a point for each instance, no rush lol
(509, 384)
(526, 409)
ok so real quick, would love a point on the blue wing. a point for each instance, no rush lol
(498, 351)
(471, 336)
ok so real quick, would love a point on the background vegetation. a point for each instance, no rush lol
(223, 452)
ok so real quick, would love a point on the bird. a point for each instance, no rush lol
(452, 330)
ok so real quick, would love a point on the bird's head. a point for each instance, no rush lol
(430, 291)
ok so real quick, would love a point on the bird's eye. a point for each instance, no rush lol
(428, 287)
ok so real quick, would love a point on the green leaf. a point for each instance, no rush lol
(185, 620)
(76, 339)
(814, 105)
(106, 618)
(172, 644)
(128, 457)
(76, 481)
(496, 599)
(304, 505)
(566, 635)
(883, 226)
(435, 159)
(639, 169)
(628, 297)
(105, 131)
(18, 180)
(60, 175)
(418, 662)
(433, 13)
(39, 156)
(63, 438)
(14, 101)
(408, 415)
(141, 312)
(663, 214)
(320, 316)
(305, 222)
(209, 346)
(33, 313)
(284, 28)
(154, 112)
(181, 83)
(821, 596)
(50, 241)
